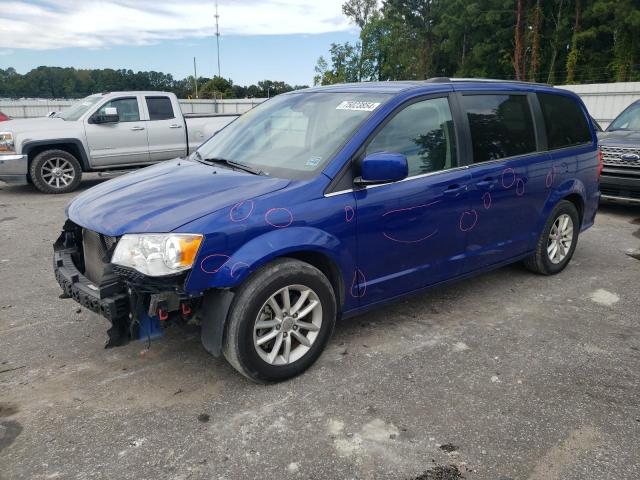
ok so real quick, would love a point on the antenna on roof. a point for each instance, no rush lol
(217, 36)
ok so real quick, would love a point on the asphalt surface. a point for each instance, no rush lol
(508, 375)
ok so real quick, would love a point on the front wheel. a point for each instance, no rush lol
(55, 171)
(557, 242)
(280, 321)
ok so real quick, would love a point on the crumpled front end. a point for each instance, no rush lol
(135, 304)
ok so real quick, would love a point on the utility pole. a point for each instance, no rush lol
(217, 36)
(195, 76)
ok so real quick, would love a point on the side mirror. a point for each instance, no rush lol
(110, 115)
(382, 167)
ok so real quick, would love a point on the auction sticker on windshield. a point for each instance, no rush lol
(359, 106)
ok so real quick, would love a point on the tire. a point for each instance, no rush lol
(251, 308)
(546, 260)
(55, 171)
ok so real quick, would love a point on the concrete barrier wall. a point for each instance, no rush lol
(41, 107)
(606, 100)
(603, 100)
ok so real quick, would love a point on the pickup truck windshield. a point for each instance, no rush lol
(293, 135)
(75, 111)
(627, 120)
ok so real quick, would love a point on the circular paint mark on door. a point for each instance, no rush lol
(486, 200)
(358, 284)
(468, 220)
(349, 213)
(520, 187)
(508, 177)
(551, 176)
(279, 217)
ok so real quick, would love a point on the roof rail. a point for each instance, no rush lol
(438, 80)
(497, 80)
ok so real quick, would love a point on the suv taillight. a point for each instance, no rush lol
(600, 162)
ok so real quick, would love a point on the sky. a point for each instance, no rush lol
(259, 39)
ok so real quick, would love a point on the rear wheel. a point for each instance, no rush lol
(55, 171)
(280, 321)
(557, 242)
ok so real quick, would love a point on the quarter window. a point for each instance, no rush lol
(424, 133)
(565, 123)
(160, 108)
(501, 126)
(127, 109)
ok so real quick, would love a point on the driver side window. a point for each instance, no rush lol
(424, 133)
(127, 109)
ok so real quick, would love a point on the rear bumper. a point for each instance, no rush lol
(14, 169)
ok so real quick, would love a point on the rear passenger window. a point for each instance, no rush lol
(159, 108)
(501, 126)
(424, 133)
(564, 120)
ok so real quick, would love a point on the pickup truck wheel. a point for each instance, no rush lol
(280, 321)
(55, 171)
(557, 242)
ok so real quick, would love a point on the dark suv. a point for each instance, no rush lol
(620, 145)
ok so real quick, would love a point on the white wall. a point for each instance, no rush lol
(23, 108)
(603, 100)
(606, 100)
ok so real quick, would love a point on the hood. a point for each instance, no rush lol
(620, 137)
(164, 197)
(20, 125)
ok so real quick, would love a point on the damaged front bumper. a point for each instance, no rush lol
(131, 301)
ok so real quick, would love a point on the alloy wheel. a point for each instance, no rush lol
(287, 325)
(560, 238)
(58, 172)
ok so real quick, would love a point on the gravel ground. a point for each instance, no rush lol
(508, 375)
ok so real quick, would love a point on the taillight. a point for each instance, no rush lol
(600, 162)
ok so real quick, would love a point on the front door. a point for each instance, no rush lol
(411, 233)
(121, 143)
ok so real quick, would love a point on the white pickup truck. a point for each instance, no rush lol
(102, 132)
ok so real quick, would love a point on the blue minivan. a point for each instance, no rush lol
(323, 203)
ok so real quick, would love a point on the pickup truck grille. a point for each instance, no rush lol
(612, 156)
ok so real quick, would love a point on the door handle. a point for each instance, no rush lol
(486, 184)
(175, 125)
(137, 129)
(454, 190)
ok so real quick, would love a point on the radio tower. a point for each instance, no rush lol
(217, 36)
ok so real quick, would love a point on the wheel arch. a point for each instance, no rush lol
(578, 202)
(327, 266)
(573, 191)
(69, 145)
(311, 245)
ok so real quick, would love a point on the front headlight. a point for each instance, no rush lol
(157, 254)
(6, 143)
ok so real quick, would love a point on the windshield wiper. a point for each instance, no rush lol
(232, 164)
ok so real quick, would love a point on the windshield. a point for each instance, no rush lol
(627, 120)
(75, 111)
(292, 135)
